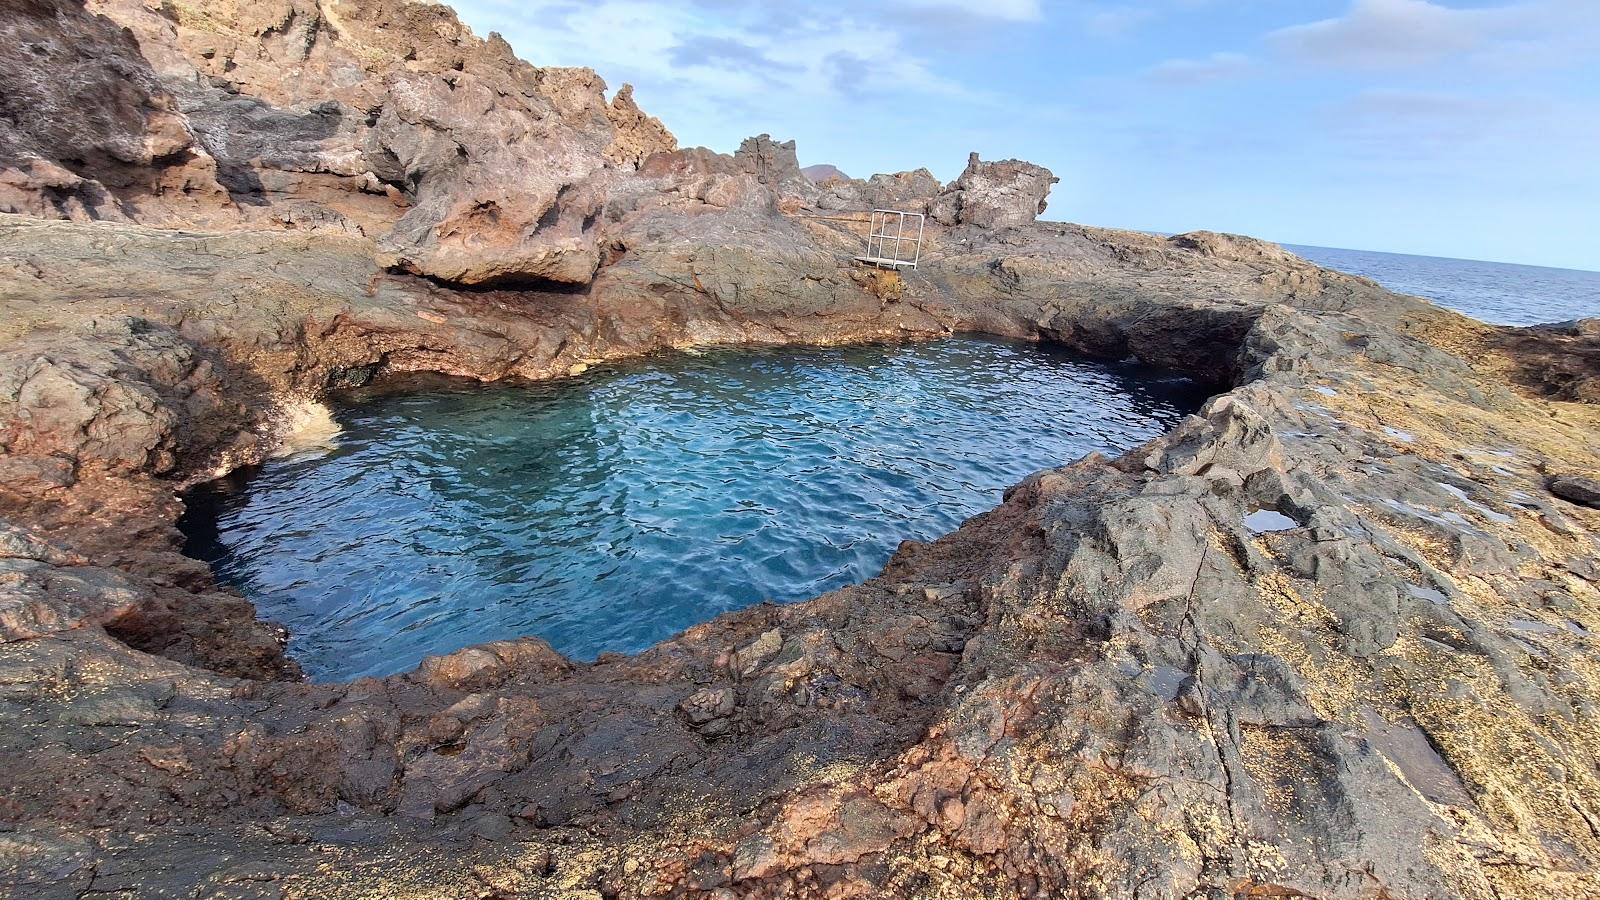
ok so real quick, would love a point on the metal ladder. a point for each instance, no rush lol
(905, 251)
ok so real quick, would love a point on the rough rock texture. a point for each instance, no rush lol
(1562, 360)
(908, 191)
(637, 134)
(1576, 489)
(774, 164)
(83, 119)
(384, 118)
(1009, 192)
(1118, 683)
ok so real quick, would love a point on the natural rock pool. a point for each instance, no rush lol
(612, 510)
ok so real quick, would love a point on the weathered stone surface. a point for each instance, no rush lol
(1560, 360)
(907, 191)
(774, 164)
(383, 118)
(85, 124)
(638, 134)
(1583, 491)
(995, 194)
(1107, 686)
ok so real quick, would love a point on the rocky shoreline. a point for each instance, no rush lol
(1109, 686)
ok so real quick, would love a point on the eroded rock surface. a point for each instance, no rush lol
(1111, 685)
(1577, 489)
(1009, 192)
(388, 119)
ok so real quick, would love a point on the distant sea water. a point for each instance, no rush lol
(1500, 293)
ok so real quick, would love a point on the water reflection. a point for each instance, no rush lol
(610, 511)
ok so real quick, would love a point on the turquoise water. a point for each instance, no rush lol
(1501, 293)
(610, 511)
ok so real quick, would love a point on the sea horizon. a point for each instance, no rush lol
(1290, 245)
(1471, 259)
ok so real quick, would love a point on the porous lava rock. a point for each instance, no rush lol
(388, 119)
(905, 191)
(1107, 686)
(995, 194)
(83, 118)
(1576, 489)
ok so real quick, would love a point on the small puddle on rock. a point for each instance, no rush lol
(1165, 682)
(1263, 521)
(609, 511)
(1461, 495)
(1429, 594)
(1530, 626)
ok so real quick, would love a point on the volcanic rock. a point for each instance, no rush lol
(994, 195)
(1110, 685)
(1583, 491)
(382, 118)
(907, 191)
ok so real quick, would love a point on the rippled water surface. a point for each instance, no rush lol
(1502, 293)
(610, 511)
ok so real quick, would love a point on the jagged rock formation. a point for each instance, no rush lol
(388, 119)
(1118, 683)
(989, 195)
(908, 191)
(774, 164)
(83, 117)
(1010, 192)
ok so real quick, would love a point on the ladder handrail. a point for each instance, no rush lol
(878, 237)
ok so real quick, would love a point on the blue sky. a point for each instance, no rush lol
(1443, 127)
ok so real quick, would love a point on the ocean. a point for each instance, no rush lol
(1501, 293)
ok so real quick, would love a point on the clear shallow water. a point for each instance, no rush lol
(1501, 293)
(610, 511)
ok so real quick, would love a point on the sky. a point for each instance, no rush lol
(1465, 128)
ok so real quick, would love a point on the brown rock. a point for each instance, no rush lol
(993, 712)
(707, 704)
(751, 657)
(1576, 489)
(638, 135)
(994, 195)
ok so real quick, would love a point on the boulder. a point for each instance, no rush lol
(1576, 489)
(995, 194)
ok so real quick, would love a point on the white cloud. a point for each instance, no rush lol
(1467, 140)
(1394, 34)
(1116, 21)
(1005, 10)
(716, 70)
(1216, 67)
(1391, 120)
(728, 54)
